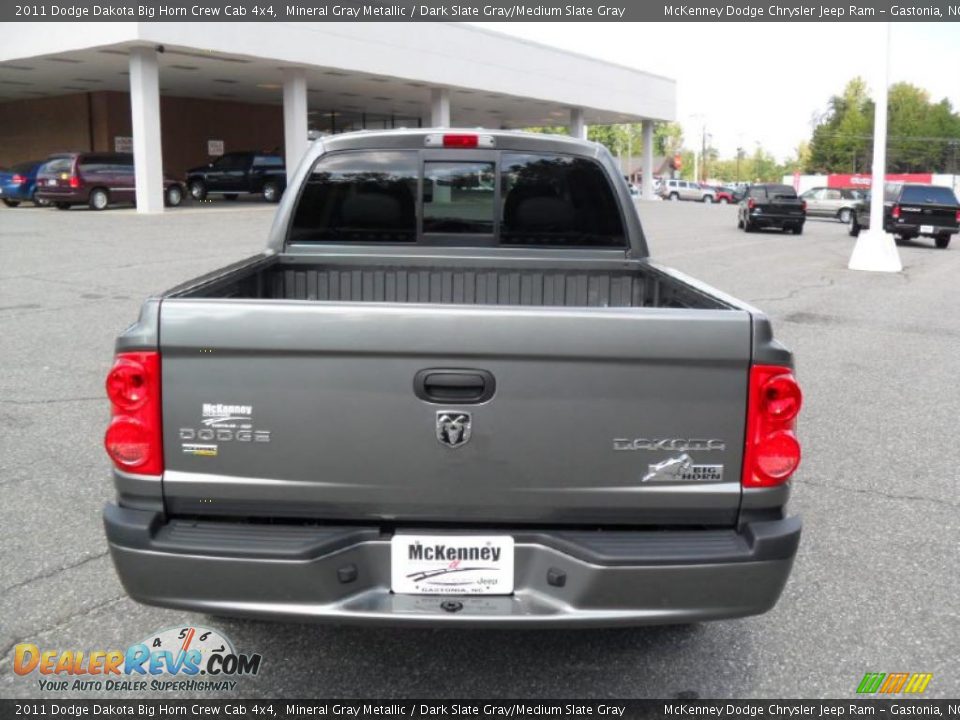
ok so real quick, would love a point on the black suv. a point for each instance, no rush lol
(240, 173)
(910, 211)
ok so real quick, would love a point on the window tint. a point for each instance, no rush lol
(757, 193)
(557, 200)
(60, 165)
(268, 161)
(458, 197)
(359, 197)
(781, 191)
(832, 195)
(928, 194)
(231, 161)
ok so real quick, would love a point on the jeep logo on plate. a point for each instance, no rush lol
(453, 428)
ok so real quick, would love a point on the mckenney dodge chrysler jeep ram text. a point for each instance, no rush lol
(454, 389)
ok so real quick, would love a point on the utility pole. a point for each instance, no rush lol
(703, 152)
(739, 155)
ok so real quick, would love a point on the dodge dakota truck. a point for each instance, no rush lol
(454, 389)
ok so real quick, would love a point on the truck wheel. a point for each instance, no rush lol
(11, 203)
(722, 201)
(942, 241)
(674, 196)
(197, 189)
(98, 199)
(748, 225)
(854, 226)
(798, 229)
(272, 192)
(708, 199)
(173, 196)
(844, 216)
(739, 221)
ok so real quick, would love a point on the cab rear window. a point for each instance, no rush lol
(929, 194)
(517, 199)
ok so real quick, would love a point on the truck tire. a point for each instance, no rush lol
(99, 199)
(797, 229)
(854, 226)
(748, 225)
(674, 196)
(173, 196)
(739, 221)
(708, 199)
(272, 191)
(10, 203)
(197, 189)
(722, 201)
(844, 215)
(942, 241)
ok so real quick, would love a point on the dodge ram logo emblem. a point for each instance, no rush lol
(453, 428)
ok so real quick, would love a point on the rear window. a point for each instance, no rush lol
(60, 165)
(558, 200)
(523, 199)
(359, 197)
(929, 194)
(781, 191)
(268, 161)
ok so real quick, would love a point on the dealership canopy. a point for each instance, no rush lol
(174, 91)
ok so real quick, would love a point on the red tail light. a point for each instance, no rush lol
(133, 439)
(461, 141)
(896, 212)
(74, 181)
(19, 179)
(772, 452)
(958, 216)
(751, 204)
(803, 205)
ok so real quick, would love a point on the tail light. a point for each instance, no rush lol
(803, 205)
(133, 440)
(74, 181)
(772, 452)
(460, 141)
(896, 212)
(19, 179)
(958, 216)
(751, 204)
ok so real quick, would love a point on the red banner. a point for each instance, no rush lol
(863, 180)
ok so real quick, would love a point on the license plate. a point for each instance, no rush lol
(51, 181)
(926, 228)
(451, 564)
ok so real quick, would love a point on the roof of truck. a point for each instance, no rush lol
(416, 138)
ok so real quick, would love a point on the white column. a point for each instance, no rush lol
(646, 191)
(876, 250)
(145, 116)
(439, 107)
(578, 127)
(295, 140)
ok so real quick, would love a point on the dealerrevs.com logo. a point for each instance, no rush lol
(176, 659)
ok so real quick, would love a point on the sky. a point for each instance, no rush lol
(761, 83)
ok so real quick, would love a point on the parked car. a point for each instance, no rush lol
(97, 180)
(19, 184)
(423, 404)
(686, 190)
(831, 202)
(240, 173)
(911, 211)
(723, 195)
(770, 205)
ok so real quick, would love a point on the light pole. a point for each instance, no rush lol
(876, 249)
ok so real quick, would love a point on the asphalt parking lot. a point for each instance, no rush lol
(875, 587)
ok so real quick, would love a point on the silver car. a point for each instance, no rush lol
(836, 203)
(687, 190)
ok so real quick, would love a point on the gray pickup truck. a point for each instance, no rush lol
(455, 390)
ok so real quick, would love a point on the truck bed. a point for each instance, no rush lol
(450, 282)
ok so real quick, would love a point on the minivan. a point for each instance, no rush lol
(97, 180)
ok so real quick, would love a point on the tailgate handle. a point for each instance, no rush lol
(443, 386)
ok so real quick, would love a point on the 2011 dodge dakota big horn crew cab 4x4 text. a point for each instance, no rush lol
(454, 389)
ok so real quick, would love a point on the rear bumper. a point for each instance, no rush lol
(896, 228)
(773, 220)
(342, 574)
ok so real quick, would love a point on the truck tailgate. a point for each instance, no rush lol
(308, 409)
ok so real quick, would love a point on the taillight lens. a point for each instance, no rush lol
(133, 440)
(896, 212)
(751, 204)
(74, 181)
(772, 452)
(803, 205)
(958, 216)
(19, 179)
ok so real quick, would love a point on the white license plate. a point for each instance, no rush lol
(51, 182)
(926, 228)
(451, 564)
